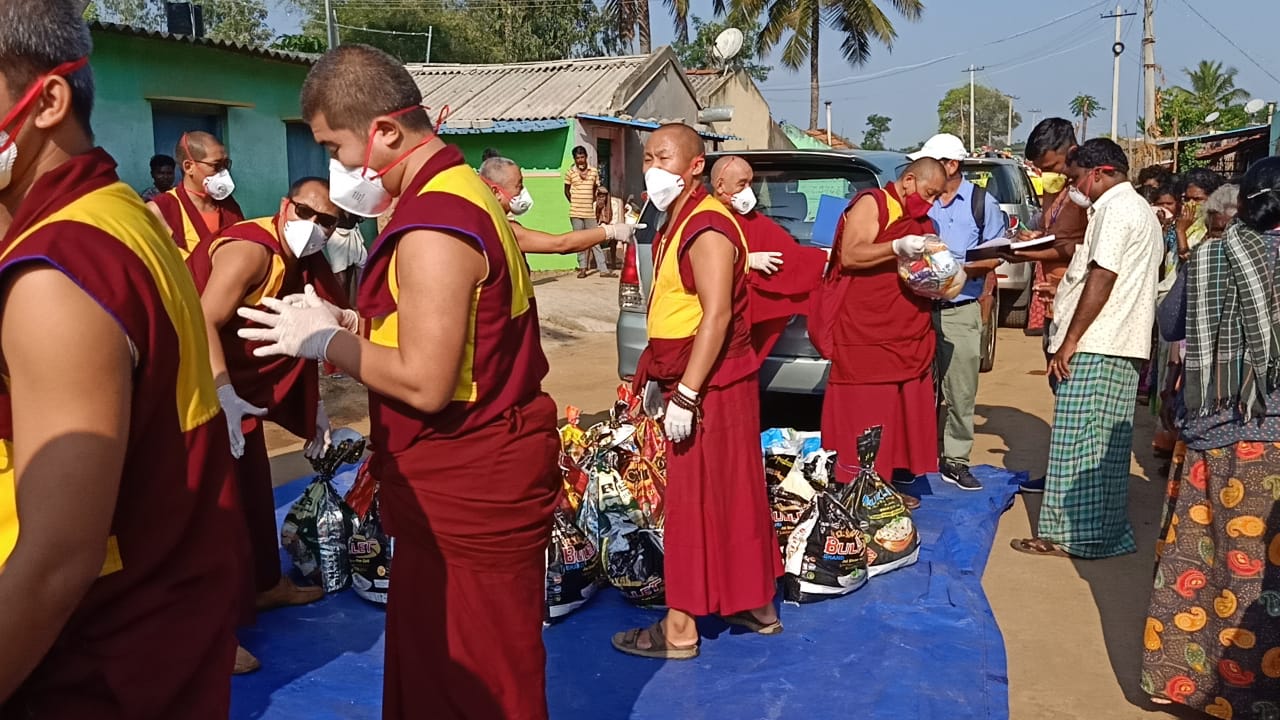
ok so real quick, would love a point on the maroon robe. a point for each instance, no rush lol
(188, 226)
(153, 638)
(467, 492)
(776, 298)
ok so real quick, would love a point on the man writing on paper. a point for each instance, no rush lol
(721, 552)
(785, 273)
(465, 442)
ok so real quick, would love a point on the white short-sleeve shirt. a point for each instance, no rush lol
(1124, 237)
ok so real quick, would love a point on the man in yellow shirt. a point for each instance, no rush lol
(580, 183)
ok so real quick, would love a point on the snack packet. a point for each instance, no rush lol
(936, 275)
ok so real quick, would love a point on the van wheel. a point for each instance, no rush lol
(1014, 308)
(987, 360)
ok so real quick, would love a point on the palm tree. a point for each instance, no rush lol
(632, 20)
(1085, 107)
(1213, 87)
(858, 22)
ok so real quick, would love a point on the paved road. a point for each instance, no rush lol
(1072, 629)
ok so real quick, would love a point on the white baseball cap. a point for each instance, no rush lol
(943, 146)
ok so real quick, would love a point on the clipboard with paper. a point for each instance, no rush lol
(995, 249)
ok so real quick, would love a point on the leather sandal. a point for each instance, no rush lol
(1038, 546)
(659, 648)
(747, 620)
(245, 662)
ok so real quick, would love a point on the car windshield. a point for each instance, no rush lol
(1002, 181)
(792, 195)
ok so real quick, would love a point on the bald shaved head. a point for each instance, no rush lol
(729, 176)
(676, 149)
(926, 169)
(684, 137)
(197, 145)
(925, 177)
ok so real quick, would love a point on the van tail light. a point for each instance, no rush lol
(630, 298)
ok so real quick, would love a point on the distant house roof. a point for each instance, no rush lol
(816, 138)
(1244, 132)
(537, 90)
(706, 82)
(256, 51)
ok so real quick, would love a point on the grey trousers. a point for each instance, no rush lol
(958, 357)
(589, 224)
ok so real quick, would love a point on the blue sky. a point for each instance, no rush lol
(1045, 68)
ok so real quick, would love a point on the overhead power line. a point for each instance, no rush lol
(1230, 42)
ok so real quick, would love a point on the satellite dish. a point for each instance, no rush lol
(1212, 116)
(728, 44)
(1255, 106)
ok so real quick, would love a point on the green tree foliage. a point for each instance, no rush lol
(877, 128)
(1213, 89)
(990, 116)
(300, 44)
(242, 21)
(1214, 86)
(630, 19)
(797, 26)
(1085, 107)
(696, 54)
(524, 31)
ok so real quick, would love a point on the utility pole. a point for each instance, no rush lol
(430, 29)
(1035, 116)
(1116, 51)
(1011, 98)
(1149, 67)
(828, 103)
(971, 70)
(331, 27)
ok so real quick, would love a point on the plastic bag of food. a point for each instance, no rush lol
(573, 567)
(319, 525)
(370, 550)
(826, 555)
(936, 274)
(633, 564)
(892, 540)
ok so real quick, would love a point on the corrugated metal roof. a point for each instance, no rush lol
(282, 56)
(452, 127)
(525, 91)
(706, 82)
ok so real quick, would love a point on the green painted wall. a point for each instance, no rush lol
(543, 157)
(128, 70)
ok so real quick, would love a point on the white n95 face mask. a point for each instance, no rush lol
(220, 185)
(357, 191)
(8, 158)
(663, 187)
(303, 237)
(1079, 198)
(744, 202)
(520, 204)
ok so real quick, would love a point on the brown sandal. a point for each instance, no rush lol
(1037, 546)
(747, 620)
(629, 643)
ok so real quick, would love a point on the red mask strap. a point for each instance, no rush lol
(369, 150)
(28, 98)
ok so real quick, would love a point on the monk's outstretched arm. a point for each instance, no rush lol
(237, 268)
(858, 247)
(70, 375)
(713, 258)
(535, 241)
(438, 275)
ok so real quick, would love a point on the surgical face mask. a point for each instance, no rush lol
(303, 237)
(663, 187)
(745, 201)
(521, 203)
(220, 185)
(1053, 182)
(358, 191)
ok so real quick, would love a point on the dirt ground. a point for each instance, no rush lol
(1072, 629)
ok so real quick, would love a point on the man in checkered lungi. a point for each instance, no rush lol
(1103, 307)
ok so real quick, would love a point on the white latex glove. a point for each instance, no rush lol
(910, 247)
(288, 330)
(622, 232)
(236, 409)
(652, 402)
(348, 319)
(765, 262)
(315, 447)
(678, 422)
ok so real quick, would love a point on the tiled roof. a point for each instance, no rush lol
(525, 91)
(283, 56)
(837, 142)
(706, 82)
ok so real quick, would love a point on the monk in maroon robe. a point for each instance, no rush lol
(881, 372)
(196, 209)
(720, 550)
(270, 257)
(120, 538)
(464, 440)
(783, 272)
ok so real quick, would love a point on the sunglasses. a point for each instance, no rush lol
(219, 166)
(306, 212)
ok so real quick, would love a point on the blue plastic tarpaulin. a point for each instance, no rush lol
(916, 643)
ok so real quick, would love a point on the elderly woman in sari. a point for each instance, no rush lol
(1212, 636)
